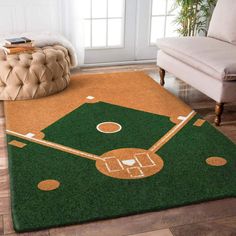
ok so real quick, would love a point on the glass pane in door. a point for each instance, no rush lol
(171, 27)
(115, 32)
(105, 20)
(87, 33)
(159, 7)
(99, 8)
(116, 8)
(157, 28)
(99, 30)
(163, 15)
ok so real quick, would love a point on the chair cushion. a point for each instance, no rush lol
(223, 22)
(213, 57)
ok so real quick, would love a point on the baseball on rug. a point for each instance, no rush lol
(111, 145)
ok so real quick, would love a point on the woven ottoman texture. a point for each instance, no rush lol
(33, 75)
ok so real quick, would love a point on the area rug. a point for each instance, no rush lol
(111, 145)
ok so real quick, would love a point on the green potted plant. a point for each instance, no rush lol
(194, 16)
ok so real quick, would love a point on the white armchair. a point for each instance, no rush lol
(206, 63)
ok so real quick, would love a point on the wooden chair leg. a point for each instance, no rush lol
(162, 73)
(218, 111)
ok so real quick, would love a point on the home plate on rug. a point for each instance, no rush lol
(111, 145)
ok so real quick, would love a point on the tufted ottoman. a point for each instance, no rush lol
(33, 75)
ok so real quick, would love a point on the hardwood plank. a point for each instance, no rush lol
(38, 233)
(4, 184)
(4, 187)
(120, 68)
(5, 193)
(153, 221)
(1, 109)
(8, 228)
(3, 173)
(7, 222)
(1, 225)
(162, 232)
(4, 178)
(3, 152)
(3, 163)
(229, 221)
(4, 205)
(223, 227)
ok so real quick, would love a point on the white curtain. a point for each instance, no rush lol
(73, 25)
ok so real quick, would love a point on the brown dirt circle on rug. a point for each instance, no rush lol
(130, 163)
(216, 161)
(109, 127)
(48, 185)
(17, 144)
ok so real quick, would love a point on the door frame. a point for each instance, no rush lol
(144, 50)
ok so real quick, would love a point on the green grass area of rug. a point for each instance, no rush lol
(85, 194)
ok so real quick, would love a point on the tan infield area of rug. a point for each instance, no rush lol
(117, 88)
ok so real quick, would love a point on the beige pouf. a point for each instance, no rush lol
(33, 75)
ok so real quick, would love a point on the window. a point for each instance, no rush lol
(104, 23)
(162, 20)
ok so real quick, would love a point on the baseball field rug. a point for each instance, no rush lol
(111, 145)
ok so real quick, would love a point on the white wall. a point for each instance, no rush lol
(61, 16)
(18, 16)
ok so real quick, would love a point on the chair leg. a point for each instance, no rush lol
(218, 111)
(162, 73)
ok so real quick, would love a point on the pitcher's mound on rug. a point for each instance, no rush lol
(111, 145)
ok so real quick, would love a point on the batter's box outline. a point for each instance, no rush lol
(107, 166)
(148, 158)
(135, 176)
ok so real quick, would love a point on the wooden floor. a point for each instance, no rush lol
(216, 218)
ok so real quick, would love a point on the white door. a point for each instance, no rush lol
(125, 30)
